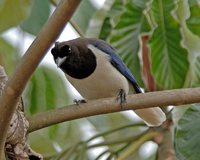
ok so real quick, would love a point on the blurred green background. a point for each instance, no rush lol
(172, 28)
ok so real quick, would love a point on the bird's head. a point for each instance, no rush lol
(74, 58)
(61, 53)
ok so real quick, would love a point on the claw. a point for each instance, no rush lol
(77, 102)
(121, 97)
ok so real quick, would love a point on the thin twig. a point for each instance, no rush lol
(110, 105)
(140, 124)
(118, 141)
(77, 28)
(29, 62)
(135, 145)
(74, 24)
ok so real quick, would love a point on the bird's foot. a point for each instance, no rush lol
(77, 102)
(121, 97)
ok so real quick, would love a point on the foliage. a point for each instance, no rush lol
(41, 95)
(167, 56)
(185, 144)
(174, 52)
(13, 13)
(39, 9)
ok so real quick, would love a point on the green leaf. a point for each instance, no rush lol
(38, 17)
(125, 36)
(56, 138)
(178, 112)
(194, 73)
(45, 91)
(193, 22)
(12, 13)
(8, 55)
(113, 17)
(83, 14)
(169, 58)
(41, 143)
(102, 22)
(186, 140)
(192, 42)
(106, 29)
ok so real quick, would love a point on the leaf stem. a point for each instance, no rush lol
(103, 153)
(140, 124)
(77, 28)
(74, 25)
(135, 145)
(118, 141)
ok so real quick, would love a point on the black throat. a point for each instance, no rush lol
(80, 65)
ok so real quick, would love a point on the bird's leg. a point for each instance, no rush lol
(121, 97)
(77, 102)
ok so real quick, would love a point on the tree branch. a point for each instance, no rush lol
(29, 62)
(109, 105)
(165, 149)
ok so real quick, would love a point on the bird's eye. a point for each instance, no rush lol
(64, 51)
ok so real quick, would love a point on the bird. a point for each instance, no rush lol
(95, 70)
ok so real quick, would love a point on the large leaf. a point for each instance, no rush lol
(125, 36)
(192, 42)
(169, 58)
(52, 140)
(45, 91)
(13, 13)
(83, 15)
(193, 22)
(178, 112)
(38, 17)
(194, 74)
(101, 23)
(187, 134)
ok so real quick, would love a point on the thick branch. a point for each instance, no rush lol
(109, 105)
(30, 61)
(166, 150)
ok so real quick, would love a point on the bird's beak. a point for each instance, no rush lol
(60, 61)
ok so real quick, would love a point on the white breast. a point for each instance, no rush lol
(105, 81)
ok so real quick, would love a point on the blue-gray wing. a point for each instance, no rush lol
(117, 63)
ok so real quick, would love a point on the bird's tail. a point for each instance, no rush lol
(152, 116)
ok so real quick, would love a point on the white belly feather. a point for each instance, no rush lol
(105, 81)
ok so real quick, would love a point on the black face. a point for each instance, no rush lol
(74, 58)
(60, 51)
